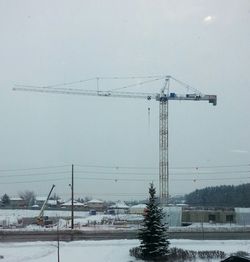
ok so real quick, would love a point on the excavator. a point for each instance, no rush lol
(41, 219)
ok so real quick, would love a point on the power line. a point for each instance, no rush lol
(31, 168)
(140, 179)
(211, 179)
(35, 174)
(153, 174)
(111, 194)
(117, 167)
(127, 173)
(116, 174)
(174, 167)
(115, 179)
(215, 166)
(34, 181)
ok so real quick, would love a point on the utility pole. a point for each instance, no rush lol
(72, 197)
(58, 245)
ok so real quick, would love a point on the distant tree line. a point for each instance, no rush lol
(226, 196)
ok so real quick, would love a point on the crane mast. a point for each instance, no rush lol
(163, 146)
(163, 152)
(163, 98)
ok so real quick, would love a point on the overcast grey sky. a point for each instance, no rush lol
(204, 43)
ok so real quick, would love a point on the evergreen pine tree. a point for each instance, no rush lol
(153, 236)
(5, 200)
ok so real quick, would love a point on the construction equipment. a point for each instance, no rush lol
(163, 97)
(41, 219)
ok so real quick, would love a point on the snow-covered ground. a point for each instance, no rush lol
(8, 218)
(103, 251)
(84, 221)
(34, 213)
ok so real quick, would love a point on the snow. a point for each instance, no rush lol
(43, 199)
(50, 201)
(105, 251)
(83, 218)
(34, 213)
(139, 206)
(120, 205)
(95, 201)
(15, 198)
(76, 203)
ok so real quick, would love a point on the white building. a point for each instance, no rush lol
(95, 204)
(137, 209)
(173, 216)
(40, 201)
(17, 202)
(120, 208)
(76, 204)
(242, 216)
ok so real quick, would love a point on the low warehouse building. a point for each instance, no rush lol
(242, 216)
(208, 216)
(173, 216)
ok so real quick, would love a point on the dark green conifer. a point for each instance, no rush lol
(154, 234)
(5, 200)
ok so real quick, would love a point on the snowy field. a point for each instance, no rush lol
(99, 251)
(20, 213)
(34, 213)
(103, 251)
(11, 216)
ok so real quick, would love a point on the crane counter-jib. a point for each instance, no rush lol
(190, 97)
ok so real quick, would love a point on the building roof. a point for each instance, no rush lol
(139, 206)
(51, 202)
(76, 203)
(16, 199)
(96, 201)
(120, 205)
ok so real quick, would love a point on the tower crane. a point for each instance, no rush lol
(163, 97)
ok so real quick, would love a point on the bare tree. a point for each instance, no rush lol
(28, 196)
(87, 198)
(55, 197)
